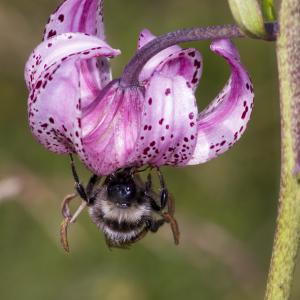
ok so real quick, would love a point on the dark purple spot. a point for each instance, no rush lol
(152, 143)
(51, 120)
(222, 143)
(51, 33)
(167, 91)
(162, 138)
(245, 112)
(146, 151)
(38, 85)
(61, 18)
(191, 115)
(197, 63)
(186, 139)
(194, 80)
(192, 54)
(145, 127)
(150, 101)
(161, 121)
(167, 126)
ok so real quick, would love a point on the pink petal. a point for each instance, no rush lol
(84, 16)
(58, 48)
(223, 122)
(168, 129)
(54, 102)
(110, 129)
(186, 63)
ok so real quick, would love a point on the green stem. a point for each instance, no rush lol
(286, 241)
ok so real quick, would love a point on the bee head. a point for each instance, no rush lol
(121, 190)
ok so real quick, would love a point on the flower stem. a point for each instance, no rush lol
(134, 67)
(287, 233)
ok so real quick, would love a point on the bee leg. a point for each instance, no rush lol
(68, 219)
(169, 217)
(166, 199)
(90, 188)
(148, 184)
(78, 185)
(174, 226)
(65, 210)
(164, 194)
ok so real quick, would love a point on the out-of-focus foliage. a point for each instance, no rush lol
(226, 208)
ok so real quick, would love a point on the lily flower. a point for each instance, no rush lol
(75, 107)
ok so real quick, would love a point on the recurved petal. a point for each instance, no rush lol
(84, 16)
(145, 37)
(54, 108)
(60, 48)
(110, 129)
(55, 99)
(224, 121)
(168, 128)
(173, 61)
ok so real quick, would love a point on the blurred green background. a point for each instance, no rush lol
(226, 208)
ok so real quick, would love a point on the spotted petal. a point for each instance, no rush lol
(54, 102)
(59, 48)
(223, 122)
(84, 16)
(168, 131)
(187, 61)
(110, 129)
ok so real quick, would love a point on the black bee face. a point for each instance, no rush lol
(121, 190)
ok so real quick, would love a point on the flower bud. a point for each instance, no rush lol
(248, 16)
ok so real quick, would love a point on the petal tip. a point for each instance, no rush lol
(225, 48)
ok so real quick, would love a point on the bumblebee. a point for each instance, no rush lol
(122, 206)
